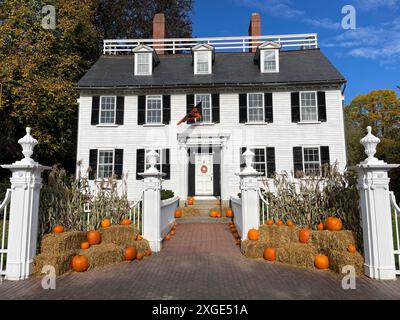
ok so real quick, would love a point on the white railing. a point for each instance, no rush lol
(242, 43)
(136, 212)
(396, 231)
(264, 208)
(167, 215)
(236, 205)
(4, 217)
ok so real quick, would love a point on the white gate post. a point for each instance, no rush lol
(373, 185)
(249, 186)
(152, 202)
(26, 183)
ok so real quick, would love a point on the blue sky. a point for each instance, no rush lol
(369, 56)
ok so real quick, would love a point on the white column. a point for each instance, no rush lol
(152, 202)
(373, 185)
(249, 187)
(26, 183)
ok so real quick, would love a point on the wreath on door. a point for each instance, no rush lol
(203, 169)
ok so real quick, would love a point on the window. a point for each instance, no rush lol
(147, 165)
(143, 63)
(205, 100)
(202, 63)
(308, 106)
(270, 60)
(107, 110)
(256, 107)
(259, 159)
(105, 164)
(311, 161)
(154, 109)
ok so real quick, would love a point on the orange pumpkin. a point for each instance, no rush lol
(139, 237)
(304, 235)
(178, 213)
(229, 213)
(139, 256)
(320, 227)
(334, 224)
(106, 223)
(85, 245)
(167, 237)
(80, 263)
(126, 222)
(190, 201)
(172, 232)
(93, 237)
(130, 253)
(269, 254)
(148, 253)
(58, 229)
(253, 234)
(270, 222)
(321, 262)
(290, 223)
(238, 242)
(351, 248)
(280, 223)
(230, 223)
(174, 227)
(214, 213)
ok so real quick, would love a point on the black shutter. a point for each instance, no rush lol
(242, 108)
(298, 161)
(295, 97)
(95, 110)
(242, 163)
(325, 161)
(141, 110)
(118, 163)
(215, 108)
(269, 113)
(92, 164)
(166, 109)
(119, 117)
(166, 166)
(217, 172)
(191, 174)
(139, 163)
(189, 105)
(271, 167)
(321, 106)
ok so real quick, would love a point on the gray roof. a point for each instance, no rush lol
(230, 68)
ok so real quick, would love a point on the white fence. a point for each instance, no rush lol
(4, 218)
(236, 205)
(264, 207)
(396, 231)
(244, 43)
(167, 215)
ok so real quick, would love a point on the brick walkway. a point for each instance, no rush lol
(200, 262)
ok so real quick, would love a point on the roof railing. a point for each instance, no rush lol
(235, 44)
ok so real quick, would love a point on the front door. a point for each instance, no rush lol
(204, 174)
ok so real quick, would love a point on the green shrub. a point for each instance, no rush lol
(166, 194)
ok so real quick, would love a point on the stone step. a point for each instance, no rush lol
(202, 219)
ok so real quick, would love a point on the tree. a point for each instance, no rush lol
(381, 110)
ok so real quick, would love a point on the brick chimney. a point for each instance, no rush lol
(159, 30)
(254, 27)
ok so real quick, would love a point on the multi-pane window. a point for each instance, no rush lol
(256, 107)
(154, 109)
(269, 61)
(143, 63)
(105, 164)
(311, 161)
(107, 110)
(205, 100)
(308, 106)
(202, 65)
(159, 160)
(259, 159)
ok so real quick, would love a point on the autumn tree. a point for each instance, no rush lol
(379, 109)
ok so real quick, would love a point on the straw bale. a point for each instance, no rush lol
(103, 254)
(339, 259)
(61, 262)
(57, 243)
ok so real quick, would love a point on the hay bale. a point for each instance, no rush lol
(278, 236)
(103, 254)
(119, 235)
(332, 240)
(142, 245)
(61, 262)
(252, 249)
(339, 259)
(298, 254)
(57, 243)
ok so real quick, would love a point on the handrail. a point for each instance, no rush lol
(6, 200)
(393, 201)
(262, 197)
(134, 204)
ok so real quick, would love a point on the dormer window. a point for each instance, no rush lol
(203, 57)
(145, 60)
(267, 57)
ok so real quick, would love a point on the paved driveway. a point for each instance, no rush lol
(200, 262)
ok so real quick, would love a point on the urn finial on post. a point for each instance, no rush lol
(248, 156)
(152, 159)
(28, 143)
(370, 142)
